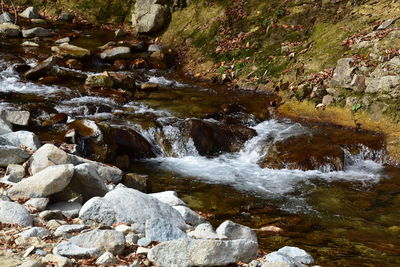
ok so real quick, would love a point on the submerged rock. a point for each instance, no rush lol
(36, 32)
(99, 81)
(195, 252)
(68, 50)
(131, 143)
(113, 206)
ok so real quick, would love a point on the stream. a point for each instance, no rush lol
(287, 174)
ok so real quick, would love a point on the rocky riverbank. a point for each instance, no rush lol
(43, 223)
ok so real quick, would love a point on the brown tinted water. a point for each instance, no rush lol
(343, 218)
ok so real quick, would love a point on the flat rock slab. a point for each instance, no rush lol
(68, 50)
(25, 138)
(68, 209)
(47, 155)
(104, 240)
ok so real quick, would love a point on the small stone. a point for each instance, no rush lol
(65, 230)
(106, 259)
(132, 238)
(52, 225)
(236, 231)
(30, 13)
(69, 249)
(31, 263)
(154, 48)
(149, 86)
(116, 53)
(66, 17)
(104, 240)
(205, 231)
(63, 40)
(123, 228)
(386, 24)
(34, 232)
(142, 250)
(5, 18)
(68, 209)
(28, 251)
(68, 50)
(144, 242)
(29, 44)
(51, 215)
(36, 32)
(169, 197)
(16, 170)
(59, 260)
(40, 252)
(327, 100)
(9, 30)
(38, 204)
(99, 81)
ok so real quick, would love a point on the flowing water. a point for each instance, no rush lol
(346, 217)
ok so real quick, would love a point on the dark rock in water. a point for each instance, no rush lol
(304, 153)
(36, 32)
(212, 139)
(99, 81)
(131, 143)
(66, 17)
(139, 47)
(9, 30)
(41, 69)
(123, 81)
(54, 119)
(68, 75)
(20, 68)
(136, 181)
(120, 64)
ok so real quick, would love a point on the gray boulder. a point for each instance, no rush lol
(16, 171)
(106, 259)
(297, 254)
(9, 30)
(17, 117)
(36, 32)
(108, 173)
(150, 15)
(236, 231)
(116, 53)
(104, 240)
(11, 212)
(169, 197)
(194, 252)
(68, 209)
(114, 205)
(88, 182)
(190, 216)
(206, 231)
(25, 138)
(47, 155)
(12, 155)
(45, 183)
(34, 232)
(161, 230)
(30, 13)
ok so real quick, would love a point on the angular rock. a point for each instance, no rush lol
(120, 52)
(88, 182)
(66, 17)
(59, 260)
(236, 231)
(16, 117)
(30, 13)
(47, 155)
(385, 84)
(132, 238)
(343, 74)
(36, 32)
(38, 204)
(108, 173)
(169, 197)
(68, 209)
(193, 252)
(69, 249)
(41, 69)
(190, 216)
(45, 183)
(68, 50)
(63, 40)
(51, 215)
(9, 30)
(12, 155)
(113, 206)
(25, 138)
(131, 143)
(161, 230)
(135, 181)
(123, 81)
(31, 263)
(386, 24)
(15, 170)
(99, 81)
(154, 48)
(149, 16)
(103, 240)
(29, 44)
(11, 212)
(106, 259)
(34, 232)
